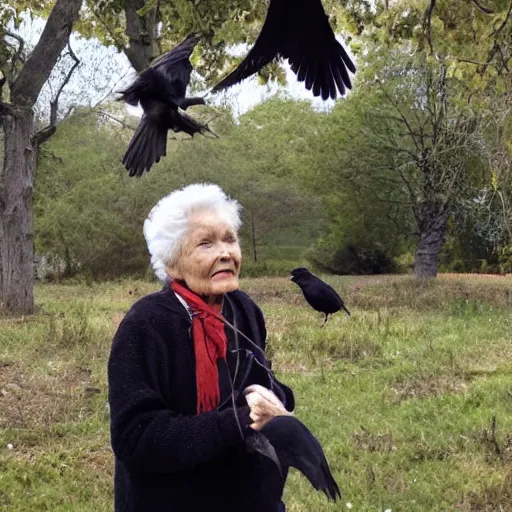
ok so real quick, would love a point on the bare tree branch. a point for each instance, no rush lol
(427, 24)
(402, 116)
(17, 56)
(39, 65)
(412, 195)
(505, 21)
(485, 10)
(468, 61)
(44, 134)
(55, 102)
(116, 119)
(99, 102)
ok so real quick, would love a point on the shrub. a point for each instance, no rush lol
(355, 260)
(271, 268)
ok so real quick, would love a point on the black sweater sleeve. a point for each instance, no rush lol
(145, 434)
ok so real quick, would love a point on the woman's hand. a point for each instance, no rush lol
(264, 405)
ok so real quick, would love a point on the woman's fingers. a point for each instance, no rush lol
(265, 393)
(257, 403)
(263, 404)
(252, 399)
(259, 421)
(265, 410)
(263, 407)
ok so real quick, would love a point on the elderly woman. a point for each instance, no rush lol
(188, 378)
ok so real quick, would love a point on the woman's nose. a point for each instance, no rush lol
(224, 252)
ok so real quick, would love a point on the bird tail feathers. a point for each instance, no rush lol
(148, 145)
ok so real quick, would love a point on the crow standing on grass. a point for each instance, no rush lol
(298, 30)
(160, 90)
(318, 294)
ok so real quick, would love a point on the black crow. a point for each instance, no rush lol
(318, 294)
(295, 446)
(298, 30)
(160, 90)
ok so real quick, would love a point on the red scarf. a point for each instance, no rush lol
(209, 345)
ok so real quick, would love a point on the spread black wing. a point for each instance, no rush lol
(175, 66)
(315, 56)
(167, 77)
(265, 48)
(298, 30)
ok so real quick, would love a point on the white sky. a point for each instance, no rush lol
(103, 69)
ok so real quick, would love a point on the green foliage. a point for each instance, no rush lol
(469, 37)
(318, 189)
(403, 150)
(466, 249)
(89, 213)
(222, 22)
(269, 268)
(349, 158)
(505, 259)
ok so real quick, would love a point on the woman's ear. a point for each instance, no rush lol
(173, 272)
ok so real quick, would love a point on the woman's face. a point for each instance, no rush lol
(211, 257)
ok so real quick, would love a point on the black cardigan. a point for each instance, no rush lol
(168, 458)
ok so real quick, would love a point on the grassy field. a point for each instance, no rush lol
(411, 396)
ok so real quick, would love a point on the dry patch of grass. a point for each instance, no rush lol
(421, 385)
(31, 400)
(492, 498)
(373, 442)
(98, 462)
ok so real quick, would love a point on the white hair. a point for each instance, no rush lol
(168, 222)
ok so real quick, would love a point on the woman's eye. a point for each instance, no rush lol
(205, 242)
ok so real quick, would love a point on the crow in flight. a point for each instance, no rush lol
(160, 89)
(298, 30)
(288, 440)
(318, 294)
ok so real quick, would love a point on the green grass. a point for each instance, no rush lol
(411, 396)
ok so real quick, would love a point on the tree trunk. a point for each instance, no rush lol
(253, 236)
(431, 242)
(17, 178)
(16, 234)
(142, 34)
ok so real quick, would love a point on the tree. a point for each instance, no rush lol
(143, 29)
(482, 231)
(430, 135)
(20, 154)
(431, 144)
(413, 149)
